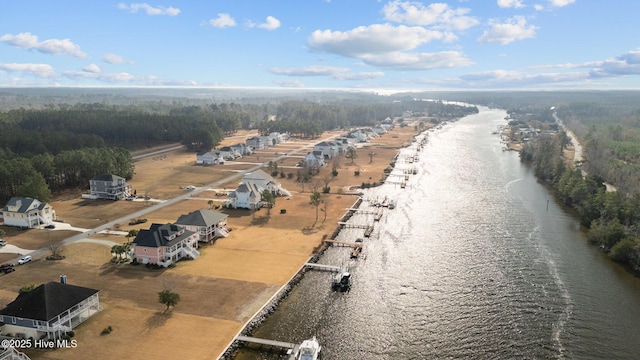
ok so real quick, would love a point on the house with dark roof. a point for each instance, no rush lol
(49, 311)
(165, 244)
(208, 224)
(26, 212)
(109, 187)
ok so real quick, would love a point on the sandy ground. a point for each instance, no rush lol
(223, 288)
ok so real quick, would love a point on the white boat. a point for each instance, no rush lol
(309, 350)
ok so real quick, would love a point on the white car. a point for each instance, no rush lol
(25, 259)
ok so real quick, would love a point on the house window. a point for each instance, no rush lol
(35, 323)
(13, 320)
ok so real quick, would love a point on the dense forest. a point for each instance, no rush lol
(48, 145)
(604, 188)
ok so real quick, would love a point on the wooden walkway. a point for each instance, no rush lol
(292, 349)
(344, 243)
(323, 267)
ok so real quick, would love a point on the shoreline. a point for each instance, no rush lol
(272, 304)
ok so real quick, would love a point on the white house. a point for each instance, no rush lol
(313, 160)
(27, 212)
(208, 158)
(265, 181)
(246, 196)
(328, 149)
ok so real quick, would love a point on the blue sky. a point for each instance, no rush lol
(340, 44)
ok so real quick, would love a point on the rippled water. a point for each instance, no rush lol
(476, 261)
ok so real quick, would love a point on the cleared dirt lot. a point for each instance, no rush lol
(220, 290)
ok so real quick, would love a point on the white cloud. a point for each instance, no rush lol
(418, 61)
(115, 59)
(514, 29)
(105, 77)
(37, 70)
(335, 72)
(270, 24)
(561, 3)
(52, 46)
(510, 4)
(625, 64)
(538, 7)
(314, 70)
(222, 21)
(437, 15)
(373, 39)
(150, 10)
(92, 68)
(360, 75)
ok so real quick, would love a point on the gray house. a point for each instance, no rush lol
(209, 224)
(110, 187)
(49, 311)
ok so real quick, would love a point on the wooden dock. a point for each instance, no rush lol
(354, 226)
(344, 243)
(323, 267)
(368, 231)
(292, 349)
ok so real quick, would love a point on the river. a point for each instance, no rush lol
(477, 261)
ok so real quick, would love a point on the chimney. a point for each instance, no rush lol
(63, 279)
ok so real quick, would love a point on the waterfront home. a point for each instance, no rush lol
(241, 149)
(328, 149)
(314, 160)
(26, 212)
(265, 181)
(165, 244)
(256, 143)
(109, 187)
(245, 196)
(49, 311)
(208, 224)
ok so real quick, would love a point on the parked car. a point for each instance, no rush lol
(50, 226)
(7, 268)
(3, 242)
(25, 259)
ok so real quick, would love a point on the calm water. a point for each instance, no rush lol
(477, 261)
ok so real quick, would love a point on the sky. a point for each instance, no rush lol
(389, 45)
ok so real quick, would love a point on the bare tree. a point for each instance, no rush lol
(55, 247)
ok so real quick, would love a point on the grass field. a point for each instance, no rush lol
(220, 290)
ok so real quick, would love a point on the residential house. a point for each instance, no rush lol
(165, 244)
(314, 160)
(256, 143)
(328, 149)
(241, 149)
(208, 158)
(379, 130)
(267, 141)
(49, 311)
(208, 224)
(231, 152)
(246, 196)
(359, 136)
(265, 181)
(109, 186)
(26, 212)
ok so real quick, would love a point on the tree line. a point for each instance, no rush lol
(611, 217)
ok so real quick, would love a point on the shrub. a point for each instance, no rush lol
(290, 175)
(326, 189)
(356, 173)
(334, 172)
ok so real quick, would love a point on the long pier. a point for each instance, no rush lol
(323, 267)
(344, 243)
(353, 226)
(292, 349)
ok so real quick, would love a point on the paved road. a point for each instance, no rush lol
(85, 234)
